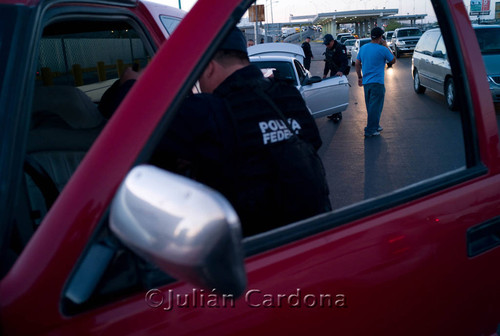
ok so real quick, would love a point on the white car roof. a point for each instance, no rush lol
(157, 8)
(272, 58)
(277, 49)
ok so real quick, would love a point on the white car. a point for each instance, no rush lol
(323, 97)
(357, 45)
(349, 44)
(388, 38)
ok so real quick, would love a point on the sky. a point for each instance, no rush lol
(281, 9)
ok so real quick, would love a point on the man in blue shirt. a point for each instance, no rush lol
(370, 66)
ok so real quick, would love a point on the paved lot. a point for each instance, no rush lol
(421, 139)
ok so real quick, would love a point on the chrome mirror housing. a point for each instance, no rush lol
(185, 228)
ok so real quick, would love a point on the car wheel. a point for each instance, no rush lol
(397, 53)
(449, 94)
(416, 83)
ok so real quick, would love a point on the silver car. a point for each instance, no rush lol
(388, 38)
(323, 97)
(349, 44)
(403, 40)
(431, 69)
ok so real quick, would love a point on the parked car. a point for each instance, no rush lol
(349, 44)
(285, 60)
(388, 37)
(431, 68)
(403, 40)
(355, 49)
(100, 243)
(340, 35)
(343, 39)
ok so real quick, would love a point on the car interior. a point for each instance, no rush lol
(74, 69)
(282, 70)
(72, 73)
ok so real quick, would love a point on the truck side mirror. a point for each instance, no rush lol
(187, 229)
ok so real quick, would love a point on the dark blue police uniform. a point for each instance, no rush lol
(226, 147)
(335, 58)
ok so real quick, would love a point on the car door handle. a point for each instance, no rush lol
(483, 237)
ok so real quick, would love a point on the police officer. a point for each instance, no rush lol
(336, 63)
(308, 55)
(335, 57)
(252, 139)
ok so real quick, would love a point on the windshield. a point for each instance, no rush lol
(363, 42)
(409, 32)
(489, 40)
(350, 42)
(281, 70)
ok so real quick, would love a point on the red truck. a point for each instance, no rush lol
(95, 241)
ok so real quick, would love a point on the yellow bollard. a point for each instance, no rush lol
(120, 67)
(47, 77)
(101, 71)
(78, 74)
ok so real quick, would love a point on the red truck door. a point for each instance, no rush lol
(416, 260)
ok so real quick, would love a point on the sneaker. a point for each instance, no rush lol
(367, 135)
(335, 116)
(380, 129)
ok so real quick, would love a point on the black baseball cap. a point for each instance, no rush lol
(327, 39)
(376, 32)
(234, 41)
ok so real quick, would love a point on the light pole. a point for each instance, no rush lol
(180, 4)
(255, 23)
(272, 17)
(271, 3)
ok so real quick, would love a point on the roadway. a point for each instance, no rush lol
(421, 138)
(297, 37)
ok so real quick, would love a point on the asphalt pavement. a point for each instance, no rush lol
(421, 138)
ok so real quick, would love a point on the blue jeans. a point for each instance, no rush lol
(374, 99)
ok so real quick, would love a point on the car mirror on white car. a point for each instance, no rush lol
(185, 228)
(438, 54)
(312, 80)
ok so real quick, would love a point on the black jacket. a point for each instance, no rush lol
(232, 139)
(307, 50)
(336, 59)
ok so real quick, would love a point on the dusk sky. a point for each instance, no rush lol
(281, 9)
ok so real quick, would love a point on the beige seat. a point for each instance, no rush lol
(65, 123)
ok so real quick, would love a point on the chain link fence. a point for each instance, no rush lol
(87, 60)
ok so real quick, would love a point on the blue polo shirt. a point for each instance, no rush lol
(373, 58)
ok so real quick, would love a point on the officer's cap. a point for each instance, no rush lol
(327, 39)
(234, 41)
